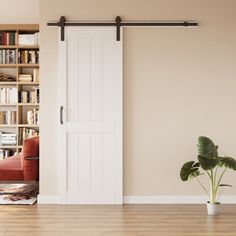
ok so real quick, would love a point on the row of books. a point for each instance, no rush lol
(29, 96)
(8, 38)
(7, 117)
(8, 139)
(29, 39)
(29, 56)
(5, 153)
(7, 56)
(8, 95)
(32, 116)
(26, 133)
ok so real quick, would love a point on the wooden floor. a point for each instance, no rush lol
(127, 220)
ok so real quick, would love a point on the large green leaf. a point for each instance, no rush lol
(189, 170)
(206, 163)
(228, 162)
(206, 148)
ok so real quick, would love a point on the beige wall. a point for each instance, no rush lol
(19, 11)
(178, 84)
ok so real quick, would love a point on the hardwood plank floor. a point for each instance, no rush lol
(127, 220)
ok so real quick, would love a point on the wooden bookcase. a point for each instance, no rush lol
(15, 70)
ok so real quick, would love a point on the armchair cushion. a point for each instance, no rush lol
(10, 169)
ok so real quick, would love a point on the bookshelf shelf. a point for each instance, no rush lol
(8, 65)
(28, 65)
(8, 83)
(28, 83)
(28, 104)
(28, 126)
(7, 104)
(8, 46)
(22, 60)
(19, 125)
(19, 46)
(28, 47)
(8, 126)
(8, 147)
(20, 83)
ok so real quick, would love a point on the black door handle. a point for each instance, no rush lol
(61, 115)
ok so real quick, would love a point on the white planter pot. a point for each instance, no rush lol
(213, 209)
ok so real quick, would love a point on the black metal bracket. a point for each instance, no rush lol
(61, 23)
(118, 21)
(118, 24)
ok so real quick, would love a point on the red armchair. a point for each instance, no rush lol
(24, 167)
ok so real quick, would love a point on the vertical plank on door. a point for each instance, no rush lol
(84, 183)
(108, 162)
(72, 162)
(108, 113)
(108, 79)
(96, 79)
(72, 79)
(96, 162)
(84, 79)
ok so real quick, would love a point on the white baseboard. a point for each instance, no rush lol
(48, 199)
(231, 199)
(160, 199)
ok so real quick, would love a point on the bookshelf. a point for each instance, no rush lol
(19, 96)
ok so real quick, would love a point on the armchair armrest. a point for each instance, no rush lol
(31, 158)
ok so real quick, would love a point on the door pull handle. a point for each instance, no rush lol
(61, 115)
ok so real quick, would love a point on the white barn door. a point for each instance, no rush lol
(90, 139)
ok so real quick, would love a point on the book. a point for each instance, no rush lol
(25, 78)
(5, 153)
(7, 117)
(7, 56)
(12, 56)
(32, 116)
(8, 138)
(23, 96)
(8, 142)
(31, 96)
(28, 39)
(8, 95)
(8, 135)
(32, 57)
(7, 38)
(28, 56)
(36, 75)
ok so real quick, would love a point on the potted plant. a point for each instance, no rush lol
(213, 166)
